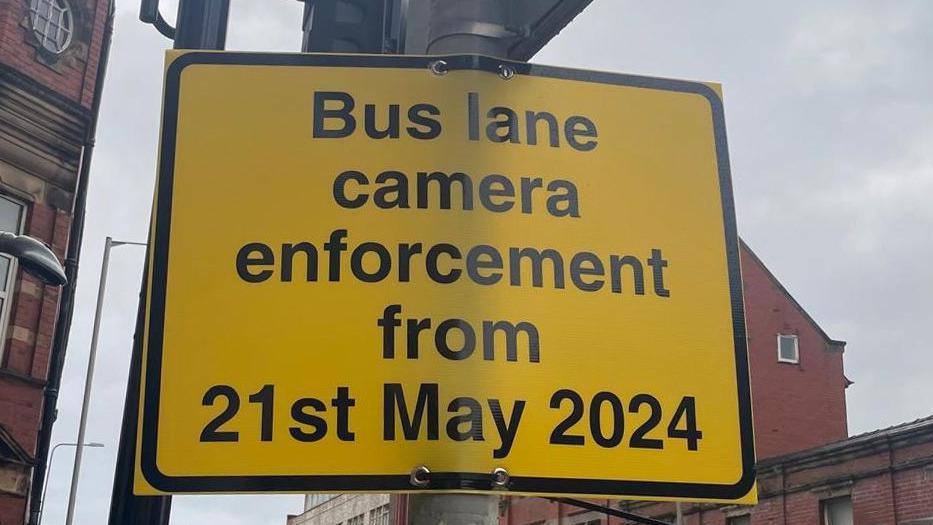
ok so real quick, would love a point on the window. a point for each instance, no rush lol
(12, 214)
(745, 519)
(52, 22)
(837, 511)
(313, 500)
(379, 515)
(787, 349)
(356, 520)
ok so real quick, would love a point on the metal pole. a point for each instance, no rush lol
(453, 509)
(680, 514)
(88, 382)
(479, 27)
(127, 508)
(89, 378)
(202, 24)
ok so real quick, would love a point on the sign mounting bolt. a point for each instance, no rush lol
(439, 67)
(419, 476)
(500, 478)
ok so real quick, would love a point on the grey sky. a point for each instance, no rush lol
(830, 122)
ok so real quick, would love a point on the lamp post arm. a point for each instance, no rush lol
(45, 485)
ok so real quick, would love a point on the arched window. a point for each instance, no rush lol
(53, 23)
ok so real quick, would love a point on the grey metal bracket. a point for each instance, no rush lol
(149, 13)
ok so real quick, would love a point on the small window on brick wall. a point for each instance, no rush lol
(745, 519)
(12, 216)
(788, 351)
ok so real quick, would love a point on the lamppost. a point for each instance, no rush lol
(34, 256)
(92, 356)
(45, 486)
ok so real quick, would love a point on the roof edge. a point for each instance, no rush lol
(829, 340)
(922, 426)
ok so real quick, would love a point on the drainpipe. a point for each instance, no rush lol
(66, 301)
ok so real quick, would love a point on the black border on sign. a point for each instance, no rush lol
(440, 481)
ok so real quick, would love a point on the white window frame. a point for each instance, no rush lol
(58, 24)
(7, 294)
(379, 515)
(782, 359)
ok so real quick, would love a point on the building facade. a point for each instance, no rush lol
(345, 509)
(51, 54)
(797, 379)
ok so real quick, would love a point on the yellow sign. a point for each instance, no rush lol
(368, 266)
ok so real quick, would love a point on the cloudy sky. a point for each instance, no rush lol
(830, 121)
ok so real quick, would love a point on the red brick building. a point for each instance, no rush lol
(797, 380)
(50, 55)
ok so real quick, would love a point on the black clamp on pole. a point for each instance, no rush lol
(201, 24)
(149, 13)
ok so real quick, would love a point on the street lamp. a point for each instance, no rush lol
(92, 356)
(36, 258)
(45, 486)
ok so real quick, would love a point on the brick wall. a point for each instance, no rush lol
(74, 74)
(20, 402)
(58, 91)
(914, 490)
(795, 406)
(28, 343)
(11, 511)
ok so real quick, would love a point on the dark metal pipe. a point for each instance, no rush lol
(125, 507)
(66, 300)
(202, 24)
(478, 26)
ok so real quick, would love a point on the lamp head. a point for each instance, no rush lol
(35, 257)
